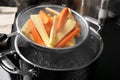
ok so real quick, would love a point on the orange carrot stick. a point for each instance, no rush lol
(44, 17)
(68, 38)
(62, 19)
(48, 26)
(35, 33)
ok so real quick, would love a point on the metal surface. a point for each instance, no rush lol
(93, 22)
(6, 64)
(5, 36)
(12, 34)
(6, 53)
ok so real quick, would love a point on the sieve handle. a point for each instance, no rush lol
(5, 36)
(2, 37)
(93, 23)
(6, 64)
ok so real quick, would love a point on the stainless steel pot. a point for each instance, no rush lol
(84, 53)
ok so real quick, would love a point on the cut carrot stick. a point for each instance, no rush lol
(68, 38)
(62, 19)
(48, 26)
(35, 33)
(44, 17)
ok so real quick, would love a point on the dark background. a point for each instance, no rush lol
(109, 62)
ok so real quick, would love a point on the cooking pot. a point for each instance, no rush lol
(86, 51)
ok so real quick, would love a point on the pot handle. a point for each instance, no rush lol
(10, 67)
(93, 23)
(5, 36)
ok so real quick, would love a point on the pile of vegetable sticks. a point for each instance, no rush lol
(52, 29)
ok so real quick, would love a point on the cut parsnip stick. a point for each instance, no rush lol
(70, 43)
(70, 24)
(30, 36)
(52, 11)
(53, 32)
(70, 15)
(25, 29)
(41, 29)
